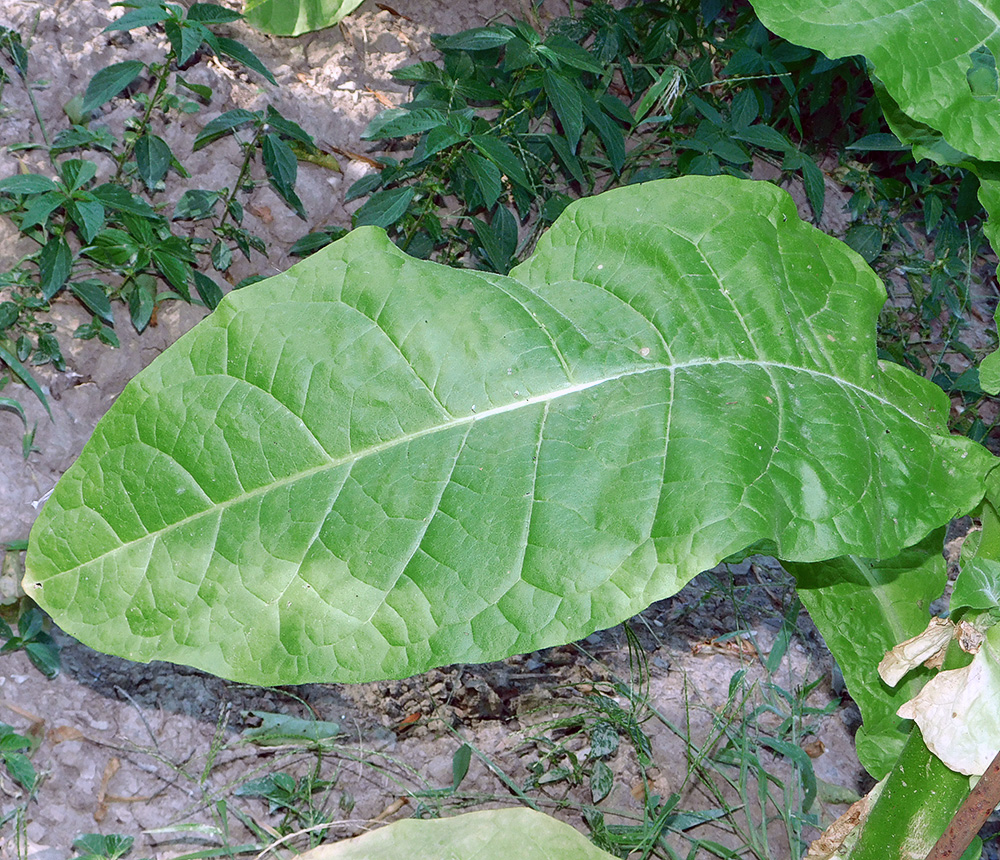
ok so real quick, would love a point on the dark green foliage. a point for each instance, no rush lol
(513, 123)
(100, 241)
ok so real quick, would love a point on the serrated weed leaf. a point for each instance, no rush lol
(108, 82)
(371, 465)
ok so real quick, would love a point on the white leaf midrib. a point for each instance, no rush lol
(474, 417)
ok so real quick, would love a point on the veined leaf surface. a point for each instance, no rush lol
(371, 465)
(864, 608)
(924, 51)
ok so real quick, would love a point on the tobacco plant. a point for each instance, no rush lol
(371, 465)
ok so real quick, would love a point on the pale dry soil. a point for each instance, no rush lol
(148, 750)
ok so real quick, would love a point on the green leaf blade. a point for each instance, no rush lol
(108, 82)
(934, 58)
(376, 477)
(294, 17)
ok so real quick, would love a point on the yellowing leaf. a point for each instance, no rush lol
(958, 713)
(916, 650)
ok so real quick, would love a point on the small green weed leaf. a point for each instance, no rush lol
(185, 38)
(242, 54)
(201, 90)
(567, 52)
(982, 73)
(282, 170)
(212, 13)
(765, 137)
(44, 655)
(196, 204)
(223, 124)
(152, 157)
(144, 16)
(364, 186)
(9, 313)
(495, 834)
(500, 153)
(88, 214)
(691, 371)
(222, 256)
(812, 179)
(113, 247)
(398, 122)
(866, 239)
(55, 262)
(564, 94)
(20, 767)
(476, 39)
(879, 142)
(27, 183)
(460, 765)
(76, 173)
(602, 780)
(802, 763)
(209, 291)
(22, 373)
(94, 298)
(110, 847)
(745, 108)
(561, 148)
(40, 207)
(498, 238)
(108, 82)
(113, 196)
(176, 270)
(141, 301)
(384, 208)
(287, 128)
(294, 17)
(607, 130)
(436, 140)
(604, 739)
(864, 608)
(486, 175)
(922, 53)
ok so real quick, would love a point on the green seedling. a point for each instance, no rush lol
(97, 846)
(32, 639)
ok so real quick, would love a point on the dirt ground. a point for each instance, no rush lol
(156, 751)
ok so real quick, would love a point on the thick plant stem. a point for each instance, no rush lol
(971, 816)
(919, 799)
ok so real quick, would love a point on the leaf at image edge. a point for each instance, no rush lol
(930, 84)
(294, 17)
(493, 834)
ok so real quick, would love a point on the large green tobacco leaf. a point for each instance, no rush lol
(370, 465)
(294, 17)
(932, 55)
(492, 834)
(864, 608)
